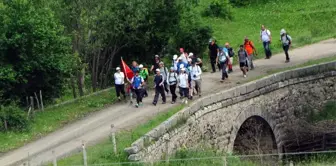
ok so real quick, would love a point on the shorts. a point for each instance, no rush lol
(242, 64)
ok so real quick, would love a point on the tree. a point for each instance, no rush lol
(34, 53)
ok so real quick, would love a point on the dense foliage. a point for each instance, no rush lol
(241, 3)
(219, 8)
(34, 53)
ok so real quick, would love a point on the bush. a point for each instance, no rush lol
(241, 3)
(13, 118)
(194, 39)
(219, 8)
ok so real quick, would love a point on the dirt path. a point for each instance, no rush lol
(97, 127)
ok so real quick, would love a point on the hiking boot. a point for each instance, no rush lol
(154, 104)
(173, 102)
(137, 105)
(245, 76)
(199, 95)
(119, 99)
(287, 61)
(163, 102)
(190, 98)
(213, 72)
(140, 104)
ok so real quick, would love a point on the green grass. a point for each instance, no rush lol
(103, 152)
(304, 20)
(54, 118)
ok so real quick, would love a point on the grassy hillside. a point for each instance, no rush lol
(306, 21)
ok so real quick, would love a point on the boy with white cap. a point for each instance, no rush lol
(183, 85)
(119, 82)
(174, 62)
(286, 41)
(159, 87)
(172, 82)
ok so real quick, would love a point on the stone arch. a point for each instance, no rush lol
(254, 111)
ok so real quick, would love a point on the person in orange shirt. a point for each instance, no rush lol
(251, 51)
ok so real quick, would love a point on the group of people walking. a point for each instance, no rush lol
(185, 71)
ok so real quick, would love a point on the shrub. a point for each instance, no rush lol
(194, 39)
(219, 8)
(241, 3)
(13, 118)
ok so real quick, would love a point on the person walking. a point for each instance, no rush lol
(184, 55)
(144, 75)
(134, 67)
(196, 80)
(251, 51)
(119, 83)
(286, 41)
(183, 85)
(266, 38)
(137, 83)
(196, 59)
(230, 52)
(159, 87)
(222, 59)
(180, 65)
(155, 64)
(172, 82)
(164, 71)
(213, 51)
(242, 60)
(174, 62)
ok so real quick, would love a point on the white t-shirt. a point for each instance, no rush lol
(119, 78)
(184, 58)
(285, 39)
(265, 35)
(183, 80)
(197, 71)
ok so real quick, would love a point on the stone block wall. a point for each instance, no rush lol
(216, 119)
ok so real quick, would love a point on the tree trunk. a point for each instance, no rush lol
(80, 81)
(72, 79)
(93, 73)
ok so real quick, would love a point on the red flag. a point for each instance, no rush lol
(128, 72)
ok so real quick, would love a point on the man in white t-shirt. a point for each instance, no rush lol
(119, 82)
(266, 38)
(195, 73)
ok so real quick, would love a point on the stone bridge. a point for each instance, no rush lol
(219, 120)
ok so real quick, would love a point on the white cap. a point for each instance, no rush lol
(181, 66)
(191, 54)
(282, 31)
(140, 66)
(156, 56)
(157, 70)
(189, 59)
(118, 68)
(182, 69)
(175, 57)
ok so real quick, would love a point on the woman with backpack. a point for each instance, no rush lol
(172, 78)
(286, 41)
(222, 59)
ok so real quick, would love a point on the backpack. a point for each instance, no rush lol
(174, 77)
(220, 56)
(230, 52)
(289, 41)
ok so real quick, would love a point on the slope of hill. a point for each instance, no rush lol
(307, 21)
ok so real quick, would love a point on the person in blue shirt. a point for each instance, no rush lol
(134, 67)
(137, 84)
(180, 62)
